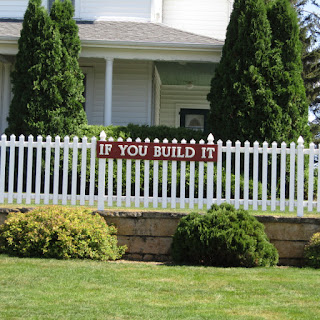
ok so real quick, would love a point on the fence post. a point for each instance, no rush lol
(11, 167)
(101, 176)
(2, 163)
(210, 179)
(300, 177)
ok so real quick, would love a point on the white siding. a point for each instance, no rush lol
(131, 92)
(131, 102)
(205, 17)
(120, 9)
(173, 98)
(13, 9)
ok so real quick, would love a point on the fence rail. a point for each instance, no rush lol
(64, 171)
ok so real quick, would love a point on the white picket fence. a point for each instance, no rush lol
(64, 172)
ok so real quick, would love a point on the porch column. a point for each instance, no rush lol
(6, 95)
(108, 92)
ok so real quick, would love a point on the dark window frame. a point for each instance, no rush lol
(185, 111)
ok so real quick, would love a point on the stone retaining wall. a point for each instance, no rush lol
(148, 235)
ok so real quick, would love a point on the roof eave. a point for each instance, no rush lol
(145, 45)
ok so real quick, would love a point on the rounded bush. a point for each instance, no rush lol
(312, 251)
(59, 232)
(223, 237)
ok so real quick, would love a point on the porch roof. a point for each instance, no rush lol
(121, 31)
(128, 40)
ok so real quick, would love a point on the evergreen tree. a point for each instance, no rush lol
(288, 86)
(35, 91)
(309, 20)
(244, 95)
(72, 87)
(45, 89)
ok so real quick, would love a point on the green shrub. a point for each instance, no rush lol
(135, 131)
(312, 251)
(59, 232)
(223, 237)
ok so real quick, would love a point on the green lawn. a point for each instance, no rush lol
(53, 289)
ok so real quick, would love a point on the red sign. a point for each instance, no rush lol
(157, 151)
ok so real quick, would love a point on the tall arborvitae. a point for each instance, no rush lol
(309, 19)
(244, 91)
(36, 78)
(288, 86)
(47, 86)
(72, 86)
(241, 100)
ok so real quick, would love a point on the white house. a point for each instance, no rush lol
(146, 61)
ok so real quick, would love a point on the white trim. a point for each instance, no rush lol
(149, 103)
(156, 11)
(108, 92)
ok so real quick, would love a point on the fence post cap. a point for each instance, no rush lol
(103, 135)
(300, 140)
(174, 140)
(210, 138)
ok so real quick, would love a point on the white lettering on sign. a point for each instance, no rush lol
(208, 150)
(157, 151)
(105, 149)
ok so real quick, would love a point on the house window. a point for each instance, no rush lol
(194, 118)
(50, 3)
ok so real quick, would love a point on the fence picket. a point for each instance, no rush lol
(283, 176)
(146, 180)
(74, 170)
(311, 173)
(38, 169)
(237, 176)
(200, 182)
(29, 169)
(119, 179)
(174, 181)
(66, 147)
(20, 168)
(155, 179)
(137, 181)
(210, 179)
(264, 175)
(273, 176)
(219, 173)
(228, 172)
(56, 169)
(92, 170)
(83, 176)
(246, 175)
(164, 180)
(300, 177)
(128, 179)
(191, 182)
(102, 177)
(110, 179)
(292, 176)
(255, 175)
(11, 168)
(182, 181)
(3, 152)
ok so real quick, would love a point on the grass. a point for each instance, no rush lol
(55, 289)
